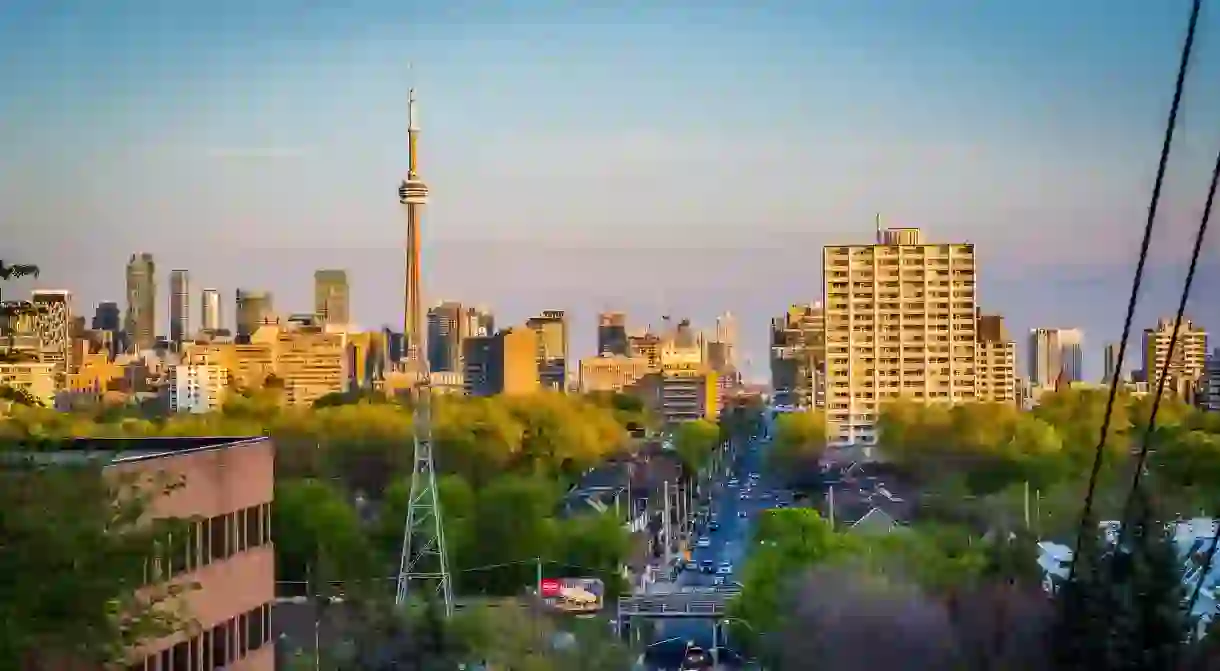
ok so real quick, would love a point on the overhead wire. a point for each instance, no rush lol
(1210, 557)
(1137, 281)
(1135, 495)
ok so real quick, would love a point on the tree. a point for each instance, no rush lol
(800, 440)
(695, 442)
(12, 310)
(76, 544)
(594, 545)
(318, 536)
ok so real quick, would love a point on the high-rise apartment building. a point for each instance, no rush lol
(446, 331)
(612, 334)
(996, 357)
(53, 324)
(798, 355)
(611, 372)
(1185, 367)
(39, 380)
(647, 346)
(331, 297)
(1055, 354)
(1211, 382)
(197, 388)
(209, 310)
(1109, 362)
(479, 321)
(552, 329)
(140, 322)
(253, 309)
(179, 306)
(504, 363)
(900, 321)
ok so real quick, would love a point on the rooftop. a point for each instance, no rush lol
(112, 451)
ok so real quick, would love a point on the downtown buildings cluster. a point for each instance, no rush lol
(901, 318)
(65, 361)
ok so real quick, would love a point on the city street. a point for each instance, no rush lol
(729, 543)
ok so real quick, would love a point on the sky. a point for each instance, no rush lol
(683, 158)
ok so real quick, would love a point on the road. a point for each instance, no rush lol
(730, 543)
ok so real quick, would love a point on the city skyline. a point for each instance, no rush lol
(597, 184)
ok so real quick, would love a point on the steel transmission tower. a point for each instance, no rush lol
(424, 563)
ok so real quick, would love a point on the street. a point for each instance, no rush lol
(729, 544)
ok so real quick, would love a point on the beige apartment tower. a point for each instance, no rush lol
(331, 297)
(996, 355)
(1189, 355)
(900, 322)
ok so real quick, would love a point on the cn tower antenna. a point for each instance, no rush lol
(424, 560)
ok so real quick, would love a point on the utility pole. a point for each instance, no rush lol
(1027, 505)
(830, 504)
(665, 521)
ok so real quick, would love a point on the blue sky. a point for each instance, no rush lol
(656, 157)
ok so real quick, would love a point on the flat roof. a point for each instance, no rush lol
(113, 451)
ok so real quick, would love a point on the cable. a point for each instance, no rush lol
(1134, 495)
(1138, 279)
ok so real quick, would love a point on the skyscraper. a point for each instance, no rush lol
(179, 306)
(552, 329)
(413, 195)
(612, 333)
(209, 316)
(446, 331)
(54, 325)
(479, 322)
(331, 297)
(253, 307)
(1054, 353)
(900, 321)
(1109, 362)
(726, 333)
(1186, 366)
(107, 317)
(141, 320)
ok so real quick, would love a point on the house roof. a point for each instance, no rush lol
(113, 451)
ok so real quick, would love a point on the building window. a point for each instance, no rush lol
(239, 519)
(220, 647)
(253, 513)
(219, 535)
(180, 658)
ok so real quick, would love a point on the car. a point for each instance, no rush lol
(742, 514)
(718, 581)
(713, 525)
(734, 482)
(690, 566)
(725, 568)
(704, 542)
(707, 566)
(745, 496)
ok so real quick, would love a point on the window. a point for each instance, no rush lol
(231, 632)
(192, 545)
(243, 633)
(266, 522)
(205, 542)
(206, 650)
(176, 554)
(194, 652)
(255, 632)
(219, 538)
(220, 647)
(240, 522)
(165, 662)
(180, 658)
(253, 514)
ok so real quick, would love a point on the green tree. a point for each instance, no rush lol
(594, 545)
(10, 310)
(319, 536)
(695, 442)
(800, 441)
(76, 545)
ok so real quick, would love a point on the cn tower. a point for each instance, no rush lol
(413, 195)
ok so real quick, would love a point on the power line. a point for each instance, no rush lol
(1134, 496)
(1098, 457)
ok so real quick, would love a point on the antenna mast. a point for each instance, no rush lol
(424, 559)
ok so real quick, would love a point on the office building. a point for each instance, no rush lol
(53, 324)
(612, 334)
(552, 329)
(179, 306)
(797, 356)
(900, 322)
(38, 380)
(197, 388)
(447, 328)
(611, 373)
(107, 317)
(504, 363)
(332, 297)
(254, 308)
(726, 336)
(140, 323)
(1054, 355)
(682, 391)
(1109, 362)
(209, 310)
(1185, 368)
(996, 357)
(225, 499)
